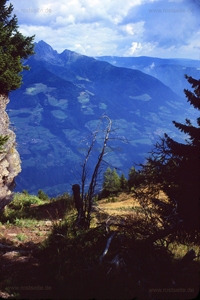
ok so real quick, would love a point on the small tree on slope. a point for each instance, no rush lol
(111, 182)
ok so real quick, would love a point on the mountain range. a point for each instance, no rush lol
(169, 71)
(59, 106)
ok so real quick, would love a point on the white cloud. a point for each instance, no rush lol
(135, 48)
(113, 27)
(149, 68)
(133, 28)
(140, 49)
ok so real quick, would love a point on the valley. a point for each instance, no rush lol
(59, 106)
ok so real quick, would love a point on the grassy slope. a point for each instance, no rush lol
(68, 259)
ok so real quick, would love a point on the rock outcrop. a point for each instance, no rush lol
(10, 163)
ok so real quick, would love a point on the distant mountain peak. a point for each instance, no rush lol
(45, 51)
(69, 56)
(43, 43)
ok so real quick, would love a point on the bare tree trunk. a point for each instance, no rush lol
(78, 204)
(95, 174)
(91, 190)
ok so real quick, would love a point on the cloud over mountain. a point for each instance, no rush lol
(120, 28)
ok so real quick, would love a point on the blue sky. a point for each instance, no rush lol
(166, 29)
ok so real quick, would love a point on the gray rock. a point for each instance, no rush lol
(10, 163)
(48, 223)
(5, 247)
(12, 234)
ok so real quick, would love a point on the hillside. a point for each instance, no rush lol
(59, 104)
(171, 72)
(43, 254)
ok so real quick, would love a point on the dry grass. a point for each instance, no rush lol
(121, 205)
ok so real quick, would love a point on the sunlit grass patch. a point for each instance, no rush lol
(27, 223)
(19, 208)
(24, 200)
(179, 250)
(21, 237)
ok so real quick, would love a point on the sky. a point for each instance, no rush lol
(156, 28)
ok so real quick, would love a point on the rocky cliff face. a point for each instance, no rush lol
(10, 163)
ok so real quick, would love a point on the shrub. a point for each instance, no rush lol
(25, 192)
(42, 195)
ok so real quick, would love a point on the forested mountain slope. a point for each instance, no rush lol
(171, 72)
(59, 104)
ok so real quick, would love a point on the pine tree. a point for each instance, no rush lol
(132, 177)
(187, 173)
(123, 182)
(175, 168)
(14, 49)
(111, 182)
(107, 179)
(115, 181)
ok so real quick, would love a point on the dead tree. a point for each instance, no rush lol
(96, 170)
(78, 204)
(88, 201)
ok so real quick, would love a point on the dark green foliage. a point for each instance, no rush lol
(175, 167)
(14, 49)
(111, 183)
(111, 198)
(123, 182)
(19, 208)
(107, 179)
(132, 177)
(186, 157)
(42, 195)
(3, 140)
(64, 200)
(25, 192)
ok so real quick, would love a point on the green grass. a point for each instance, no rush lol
(179, 249)
(112, 199)
(24, 200)
(19, 208)
(27, 223)
(21, 237)
(39, 234)
(19, 213)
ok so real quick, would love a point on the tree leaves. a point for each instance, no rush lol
(14, 48)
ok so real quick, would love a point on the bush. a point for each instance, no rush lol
(19, 208)
(66, 200)
(42, 195)
(25, 192)
(24, 200)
